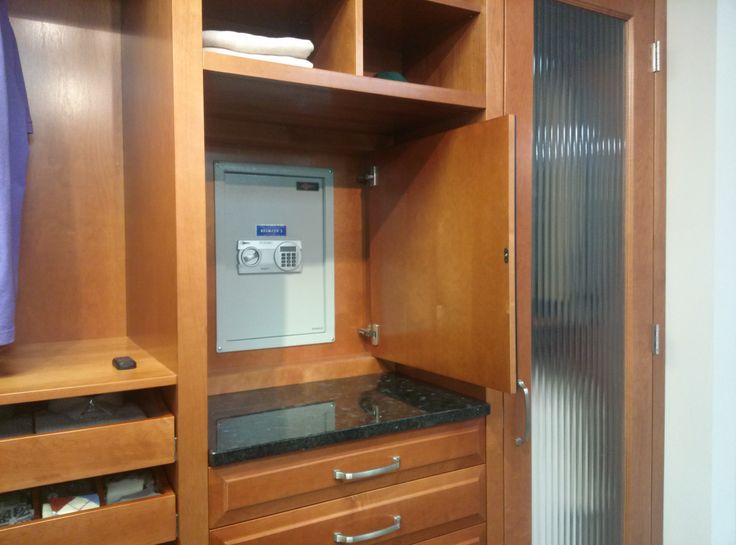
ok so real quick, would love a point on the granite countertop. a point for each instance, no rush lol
(258, 423)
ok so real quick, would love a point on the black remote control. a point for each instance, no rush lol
(123, 363)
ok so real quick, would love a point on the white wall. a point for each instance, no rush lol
(724, 312)
(700, 436)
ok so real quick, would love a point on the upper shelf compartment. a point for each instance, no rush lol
(431, 42)
(437, 45)
(45, 371)
(330, 24)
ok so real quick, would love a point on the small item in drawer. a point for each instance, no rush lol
(130, 486)
(15, 507)
(67, 498)
(123, 363)
(78, 412)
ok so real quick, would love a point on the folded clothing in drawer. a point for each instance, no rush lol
(15, 507)
(67, 498)
(78, 412)
(130, 486)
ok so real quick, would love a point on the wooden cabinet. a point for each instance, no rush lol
(432, 479)
(117, 237)
(98, 273)
(427, 253)
(436, 234)
(253, 489)
(407, 512)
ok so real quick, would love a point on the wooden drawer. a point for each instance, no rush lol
(35, 460)
(468, 536)
(271, 485)
(428, 507)
(149, 521)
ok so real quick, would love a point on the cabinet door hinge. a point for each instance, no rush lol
(370, 178)
(372, 332)
(176, 448)
(656, 56)
(656, 339)
(177, 526)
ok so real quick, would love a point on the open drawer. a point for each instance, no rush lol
(147, 521)
(34, 460)
(402, 514)
(262, 487)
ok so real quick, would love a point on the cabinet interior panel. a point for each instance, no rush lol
(348, 355)
(430, 43)
(150, 179)
(72, 266)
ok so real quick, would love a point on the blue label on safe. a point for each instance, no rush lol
(270, 230)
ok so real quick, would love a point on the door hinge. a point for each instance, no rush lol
(370, 178)
(372, 332)
(656, 339)
(656, 56)
(177, 525)
(176, 447)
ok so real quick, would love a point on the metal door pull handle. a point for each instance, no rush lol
(343, 476)
(520, 386)
(395, 527)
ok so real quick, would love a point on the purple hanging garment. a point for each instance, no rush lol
(15, 125)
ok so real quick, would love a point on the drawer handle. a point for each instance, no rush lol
(395, 527)
(368, 473)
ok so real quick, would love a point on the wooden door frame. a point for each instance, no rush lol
(518, 99)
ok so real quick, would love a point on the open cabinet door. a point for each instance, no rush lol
(441, 226)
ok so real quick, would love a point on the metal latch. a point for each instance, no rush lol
(656, 56)
(656, 349)
(370, 178)
(372, 332)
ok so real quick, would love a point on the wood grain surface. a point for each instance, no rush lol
(72, 268)
(439, 223)
(38, 372)
(469, 536)
(263, 487)
(48, 458)
(428, 508)
(264, 92)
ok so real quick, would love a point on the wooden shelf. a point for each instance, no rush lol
(260, 91)
(143, 521)
(40, 372)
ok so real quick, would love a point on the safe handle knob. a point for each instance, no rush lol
(250, 257)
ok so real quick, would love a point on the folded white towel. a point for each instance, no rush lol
(258, 45)
(270, 58)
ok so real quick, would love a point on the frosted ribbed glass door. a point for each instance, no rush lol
(578, 277)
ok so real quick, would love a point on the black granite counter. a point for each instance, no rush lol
(247, 425)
